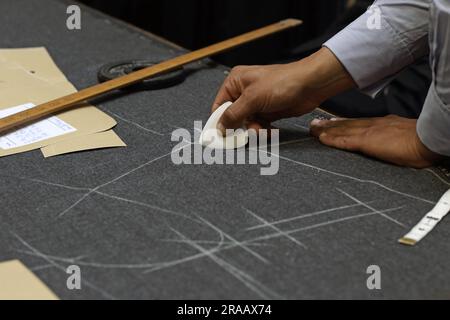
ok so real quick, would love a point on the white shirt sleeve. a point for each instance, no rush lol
(391, 35)
(433, 126)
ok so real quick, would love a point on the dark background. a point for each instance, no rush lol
(197, 23)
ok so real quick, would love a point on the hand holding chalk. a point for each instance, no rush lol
(213, 138)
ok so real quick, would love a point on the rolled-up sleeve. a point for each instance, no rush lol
(391, 35)
(433, 126)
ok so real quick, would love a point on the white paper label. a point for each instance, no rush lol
(42, 130)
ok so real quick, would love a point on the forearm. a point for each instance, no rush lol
(323, 76)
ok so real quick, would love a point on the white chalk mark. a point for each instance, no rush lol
(303, 216)
(151, 266)
(437, 176)
(60, 267)
(143, 204)
(323, 224)
(169, 264)
(371, 208)
(227, 243)
(116, 179)
(52, 183)
(90, 191)
(74, 204)
(134, 123)
(205, 253)
(178, 127)
(137, 168)
(93, 264)
(272, 226)
(237, 243)
(42, 267)
(342, 175)
(159, 266)
(285, 143)
(217, 249)
(47, 266)
(245, 278)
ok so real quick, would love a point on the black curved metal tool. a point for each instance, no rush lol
(117, 69)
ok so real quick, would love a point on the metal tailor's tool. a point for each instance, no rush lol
(119, 69)
(72, 100)
(428, 222)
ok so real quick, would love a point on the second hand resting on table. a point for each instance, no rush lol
(263, 94)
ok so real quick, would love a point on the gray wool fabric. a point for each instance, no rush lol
(141, 227)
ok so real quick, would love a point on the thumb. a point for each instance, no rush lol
(236, 114)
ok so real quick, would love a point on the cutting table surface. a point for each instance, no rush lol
(140, 226)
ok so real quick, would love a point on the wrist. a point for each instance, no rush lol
(425, 153)
(323, 76)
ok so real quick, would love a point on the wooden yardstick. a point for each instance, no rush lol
(84, 95)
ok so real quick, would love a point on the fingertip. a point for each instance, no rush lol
(315, 130)
(215, 106)
(323, 136)
(326, 139)
(253, 125)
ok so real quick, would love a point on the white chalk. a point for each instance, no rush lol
(211, 137)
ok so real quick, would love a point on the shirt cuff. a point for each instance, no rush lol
(433, 126)
(371, 56)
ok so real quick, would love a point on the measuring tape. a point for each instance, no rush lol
(428, 222)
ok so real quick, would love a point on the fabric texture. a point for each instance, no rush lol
(141, 227)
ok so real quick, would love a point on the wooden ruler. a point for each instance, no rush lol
(84, 95)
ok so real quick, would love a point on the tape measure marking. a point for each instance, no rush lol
(428, 222)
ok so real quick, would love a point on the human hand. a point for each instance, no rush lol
(393, 139)
(263, 94)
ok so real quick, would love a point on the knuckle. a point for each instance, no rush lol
(249, 94)
(228, 86)
(332, 131)
(279, 92)
(237, 69)
(324, 137)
